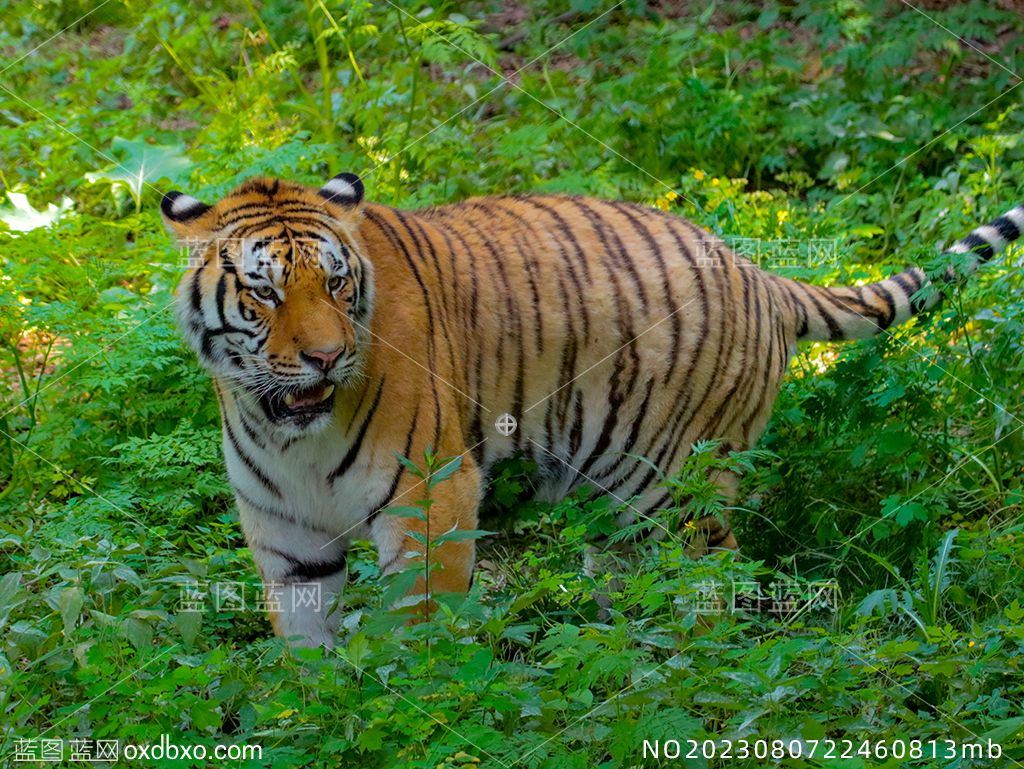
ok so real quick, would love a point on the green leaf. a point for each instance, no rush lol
(1005, 731)
(10, 584)
(406, 511)
(445, 472)
(141, 164)
(188, 624)
(1014, 612)
(21, 216)
(903, 512)
(71, 601)
(458, 535)
(205, 715)
(894, 442)
(138, 633)
(357, 651)
(409, 465)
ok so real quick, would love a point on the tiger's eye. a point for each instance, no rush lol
(334, 283)
(265, 292)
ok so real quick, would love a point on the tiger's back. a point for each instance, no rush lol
(605, 329)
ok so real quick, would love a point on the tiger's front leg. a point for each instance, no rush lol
(442, 568)
(303, 570)
(305, 613)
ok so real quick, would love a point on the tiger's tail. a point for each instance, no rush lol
(858, 312)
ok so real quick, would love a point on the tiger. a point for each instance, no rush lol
(600, 340)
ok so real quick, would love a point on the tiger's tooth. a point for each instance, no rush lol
(327, 392)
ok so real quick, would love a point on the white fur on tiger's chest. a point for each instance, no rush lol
(292, 488)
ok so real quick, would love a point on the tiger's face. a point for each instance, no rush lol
(277, 299)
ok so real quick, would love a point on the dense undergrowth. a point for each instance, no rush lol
(891, 473)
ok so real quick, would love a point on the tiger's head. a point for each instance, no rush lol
(277, 298)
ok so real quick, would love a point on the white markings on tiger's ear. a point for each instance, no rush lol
(178, 207)
(344, 190)
(183, 216)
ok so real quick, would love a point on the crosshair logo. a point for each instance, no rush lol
(506, 424)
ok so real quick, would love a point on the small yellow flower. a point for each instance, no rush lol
(714, 182)
(970, 644)
(782, 216)
(699, 175)
(671, 195)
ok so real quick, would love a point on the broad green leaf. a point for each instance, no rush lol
(1006, 731)
(140, 164)
(21, 216)
(188, 624)
(139, 633)
(71, 601)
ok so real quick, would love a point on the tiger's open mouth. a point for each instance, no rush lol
(300, 406)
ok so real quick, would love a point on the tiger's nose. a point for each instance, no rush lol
(321, 359)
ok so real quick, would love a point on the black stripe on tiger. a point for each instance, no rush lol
(350, 456)
(302, 571)
(281, 515)
(389, 495)
(645, 233)
(979, 245)
(248, 461)
(563, 229)
(447, 333)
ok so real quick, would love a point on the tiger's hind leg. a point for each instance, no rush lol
(702, 537)
(714, 532)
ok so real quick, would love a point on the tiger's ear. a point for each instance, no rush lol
(345, 190)
(184, 216)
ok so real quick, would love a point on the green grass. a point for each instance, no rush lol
(891, 472)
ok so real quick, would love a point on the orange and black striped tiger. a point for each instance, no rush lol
(342, 335)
